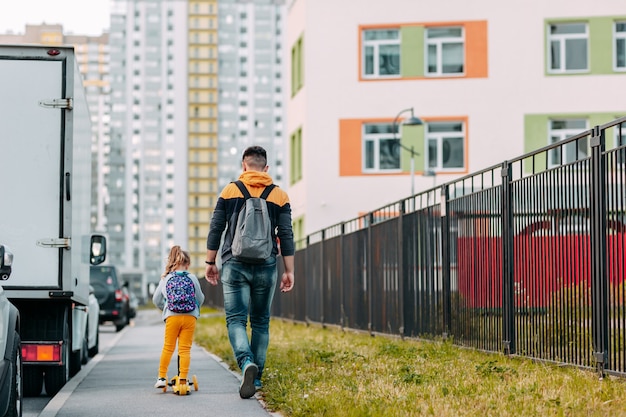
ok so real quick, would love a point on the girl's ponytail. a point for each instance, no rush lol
(176, 257)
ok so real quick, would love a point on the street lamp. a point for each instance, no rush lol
(411, 121)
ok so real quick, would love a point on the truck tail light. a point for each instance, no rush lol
(118, 295)
(48, 352)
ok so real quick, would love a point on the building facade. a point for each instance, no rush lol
(251, 85)
(488, 82)
(202, 111)
(148, 196)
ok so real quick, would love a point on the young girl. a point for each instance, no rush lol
(180, 301)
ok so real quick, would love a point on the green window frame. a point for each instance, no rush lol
(619, 35)
(295, 148)
(299, 235)
(297, 66)
(537, 134)
(568, 47)
(603, 37)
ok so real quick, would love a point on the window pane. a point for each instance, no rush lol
(372, 35)
(576, 54)
(452, 153)
(432, 153)
(565, 28)
(373, 128)
(577, 124)
(452, 58)
(389, 154)
(369, 154)
(432, 58)
(621, 141)
(555, 55)
(555, 154)
(576, 151)
(389, 60)
(620, 27)
(445, 127)
(582, 148)
(620, 50)
(444, 33)
(369, 60)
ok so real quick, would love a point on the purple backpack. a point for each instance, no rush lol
(181, 294)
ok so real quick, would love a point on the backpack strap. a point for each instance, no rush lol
(243, 189)
(267, 191)
(246, 193)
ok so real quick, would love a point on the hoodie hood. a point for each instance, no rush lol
(256, 178)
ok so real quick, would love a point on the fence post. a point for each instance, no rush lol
(445, 260)
(401, 271)
(508, 262)
(307, 283)
(322, 276)
(368, 251)
(342, 279)
(599, 284)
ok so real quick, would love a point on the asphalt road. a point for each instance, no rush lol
(120, 380)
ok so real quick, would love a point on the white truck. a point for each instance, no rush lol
(45, 167)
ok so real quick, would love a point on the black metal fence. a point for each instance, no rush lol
(525, 258)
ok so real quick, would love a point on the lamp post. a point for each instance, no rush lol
(411, 121)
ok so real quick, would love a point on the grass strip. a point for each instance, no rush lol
(315, 371)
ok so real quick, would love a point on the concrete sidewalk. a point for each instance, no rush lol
(119, 381)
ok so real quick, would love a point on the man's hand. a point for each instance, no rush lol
(211, 274)
(286, 282)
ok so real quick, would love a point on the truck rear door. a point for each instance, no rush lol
(31, 169)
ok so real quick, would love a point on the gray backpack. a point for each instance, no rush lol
(252, 239)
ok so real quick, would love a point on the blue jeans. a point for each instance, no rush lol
(249, 290)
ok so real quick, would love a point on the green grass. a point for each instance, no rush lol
(315, 371)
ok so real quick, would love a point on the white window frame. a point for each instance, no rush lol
(562, 40)
(438, 43)
(376, 138)
(376, 45)
(617, 36)
(439, 137)
(562, 134)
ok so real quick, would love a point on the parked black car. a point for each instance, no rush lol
(111, 294)
(11, 390)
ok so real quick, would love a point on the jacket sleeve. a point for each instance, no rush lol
(285, 232)
(158, 298)
(198, 291)
(218, 224)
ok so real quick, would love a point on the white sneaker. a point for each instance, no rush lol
(161, 383)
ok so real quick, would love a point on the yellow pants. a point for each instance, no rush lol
(179, 328)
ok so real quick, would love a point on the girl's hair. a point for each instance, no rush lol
(177, 257)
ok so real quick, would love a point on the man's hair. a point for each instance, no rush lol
(255, 156)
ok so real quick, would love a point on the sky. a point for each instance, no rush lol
(80, 17)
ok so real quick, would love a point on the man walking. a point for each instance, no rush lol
(249, 287)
